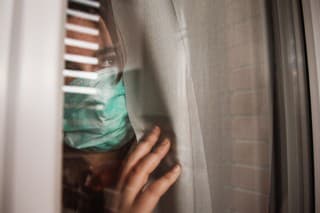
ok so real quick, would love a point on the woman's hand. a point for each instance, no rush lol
(132, 193)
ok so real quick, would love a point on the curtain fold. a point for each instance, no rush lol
(160, 91)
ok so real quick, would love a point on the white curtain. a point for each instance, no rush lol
(160, 91)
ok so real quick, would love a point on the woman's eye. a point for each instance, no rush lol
(111, 60)
(107, 57)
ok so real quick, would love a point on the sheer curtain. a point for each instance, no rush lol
(202, 69)
(160, 91)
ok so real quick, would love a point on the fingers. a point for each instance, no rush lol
(140, 173)
(148, 200)
(142, 149)
(135, 174)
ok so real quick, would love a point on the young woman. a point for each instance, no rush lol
(105, 170)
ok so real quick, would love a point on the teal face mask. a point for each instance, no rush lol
(97, 122)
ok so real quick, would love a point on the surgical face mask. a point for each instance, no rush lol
(97, 122)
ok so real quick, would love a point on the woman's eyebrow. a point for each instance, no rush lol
(107, 51)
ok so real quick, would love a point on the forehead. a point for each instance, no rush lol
(82, 22)
(103, 36)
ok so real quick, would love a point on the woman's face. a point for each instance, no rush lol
(107, 174)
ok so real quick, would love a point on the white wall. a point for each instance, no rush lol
(33, 123)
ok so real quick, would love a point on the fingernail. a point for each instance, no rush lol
(156, 129)
(177, 169)
(165, 142)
